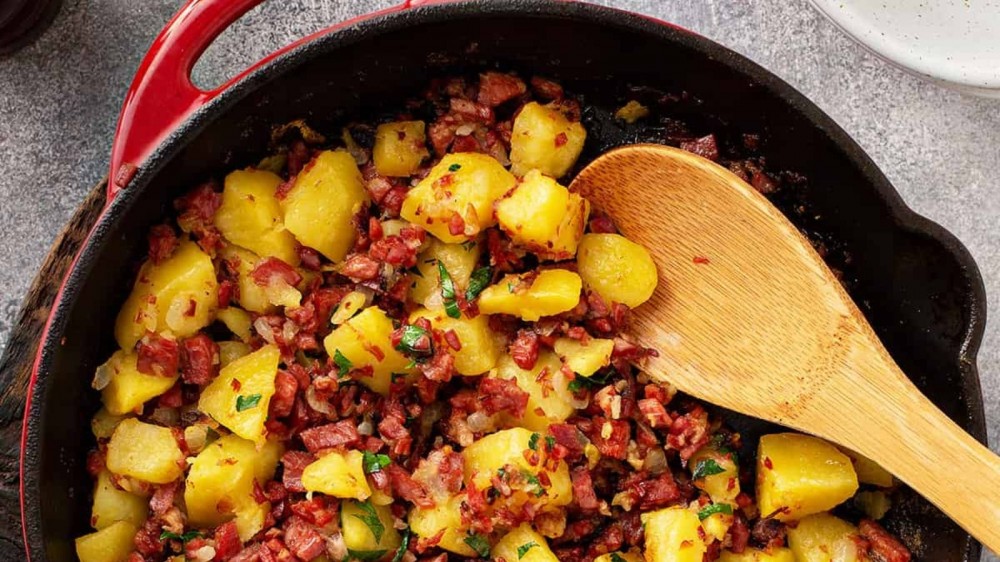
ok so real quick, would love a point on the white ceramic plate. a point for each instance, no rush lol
(955, 42)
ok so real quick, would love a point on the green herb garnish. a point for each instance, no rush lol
(479, 281)
(373, 463)
(402, 546)
(412, 334)
(615, 557)
(479, 544)
(711, 510)
(533, 441)
(534, 481)
(454, 167)
(510, 287)
(448, 293)
(468, 245)
(343, 364)
(185, 537)
(247, 402)
(371, 519)
(365, 555)
(706, 467)
(524, 548)
(550, 442)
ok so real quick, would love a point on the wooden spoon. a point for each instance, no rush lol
(749, 317)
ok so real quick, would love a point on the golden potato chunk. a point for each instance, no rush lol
(112, 504)
(104, 423)
(239, 397)
(489, 454)
(672, 535)
(230, 351)
(616, 268)
(129, 389)
(530, 296)
(825, 538)
(444, 516)
(237, 320)
(479, 349)
(523, 544)
(754, 555)
(144, 451)
(365, 341)
(455, 201)
(400, 147)
(251, 296)
(544, 139)
(180, 295)
(340, 475)
(111, 544)
(250, 215)
(798, 475)
(459, 261)
(868, 471)
(549, 400)
(715, 473)
(326, 195)
(543, 217)
(369, 528)
(585, 358)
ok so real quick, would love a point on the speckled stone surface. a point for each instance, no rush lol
(59, 100)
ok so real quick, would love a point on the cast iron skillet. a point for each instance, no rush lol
(916, 283)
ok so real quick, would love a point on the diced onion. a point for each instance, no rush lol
(102, 375)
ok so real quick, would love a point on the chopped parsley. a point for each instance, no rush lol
(412, 334)
(550, 442)
(371, 519)
(448, 292)
(524, 548)
(454, 167)
(468, 245)
(534, 481)
(373, 463)
(343, 364)
(706, 467)
(402, 546)
(185, 537)
(479, 544)
(246, 402)
(533, 441)
(615, 557)
(596, 380)
(510, 287)
(365, 555)
(711, 510)
(479, 280)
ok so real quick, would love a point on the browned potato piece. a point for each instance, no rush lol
(400, 147)
(544, 139)
(543, 216)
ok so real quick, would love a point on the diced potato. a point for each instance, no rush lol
(523, 544)
(631, 556)
(547, 392)
(239, 397)
(479, 352)
(551, 292)
(250, 518)
(487, 455)
(252, 296)
(129, 389)
(717, 525)
(632, 112)
(874, 504)
(459, 261)
(230, 351)
(585, 358)
(219, 485)
(104, 423)
(543, 216)
(616, 268)
(112, 505)
(365, 341)
(672, 535)
(722, 487)
(544, 139)
(250, 215)
(351, 304)
(144, 451)
(400, 147)
(237, 320)
(868, 471)
(340, 475)
(326, 195)
(798, 475)
(180, 294)
(368, 528)
(754, 555)
(463, 185)
(825, 538)
(447, 516)
(110, 544)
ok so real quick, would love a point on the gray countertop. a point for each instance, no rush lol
(59, 101)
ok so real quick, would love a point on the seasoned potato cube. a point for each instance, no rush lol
(672, 535)
(368, 528)
(585, 358)
(716, 474)
(250, 215)
(875, 504)
(230, 351)
(523, 544)
(798, 475)
(111, 544)
(340, 475)
(237, 320)
(459, 261)
(544, 139)
(250, 517)
(251, 295)
(546, 392)
(479, 352)
(825, 538)
(444, 516)
(549, 293)
(112, 505)
(716, 524)
(487, 455)
(104, 423)
(868, 471)
(129, 389)
(631, 556)
(180, 295)
(144, 451)
(326, 195)
(543, 216)
(365, 341)
(754, 555)
(455, 201)
(400, 147)
(239, 397)
(616, 268)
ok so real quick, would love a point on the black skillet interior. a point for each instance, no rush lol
(916, 283)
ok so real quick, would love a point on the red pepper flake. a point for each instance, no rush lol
(701, 260)
(768, 464)
(561, 139)
(236, 385)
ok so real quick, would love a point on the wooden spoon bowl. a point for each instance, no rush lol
(749, 317)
